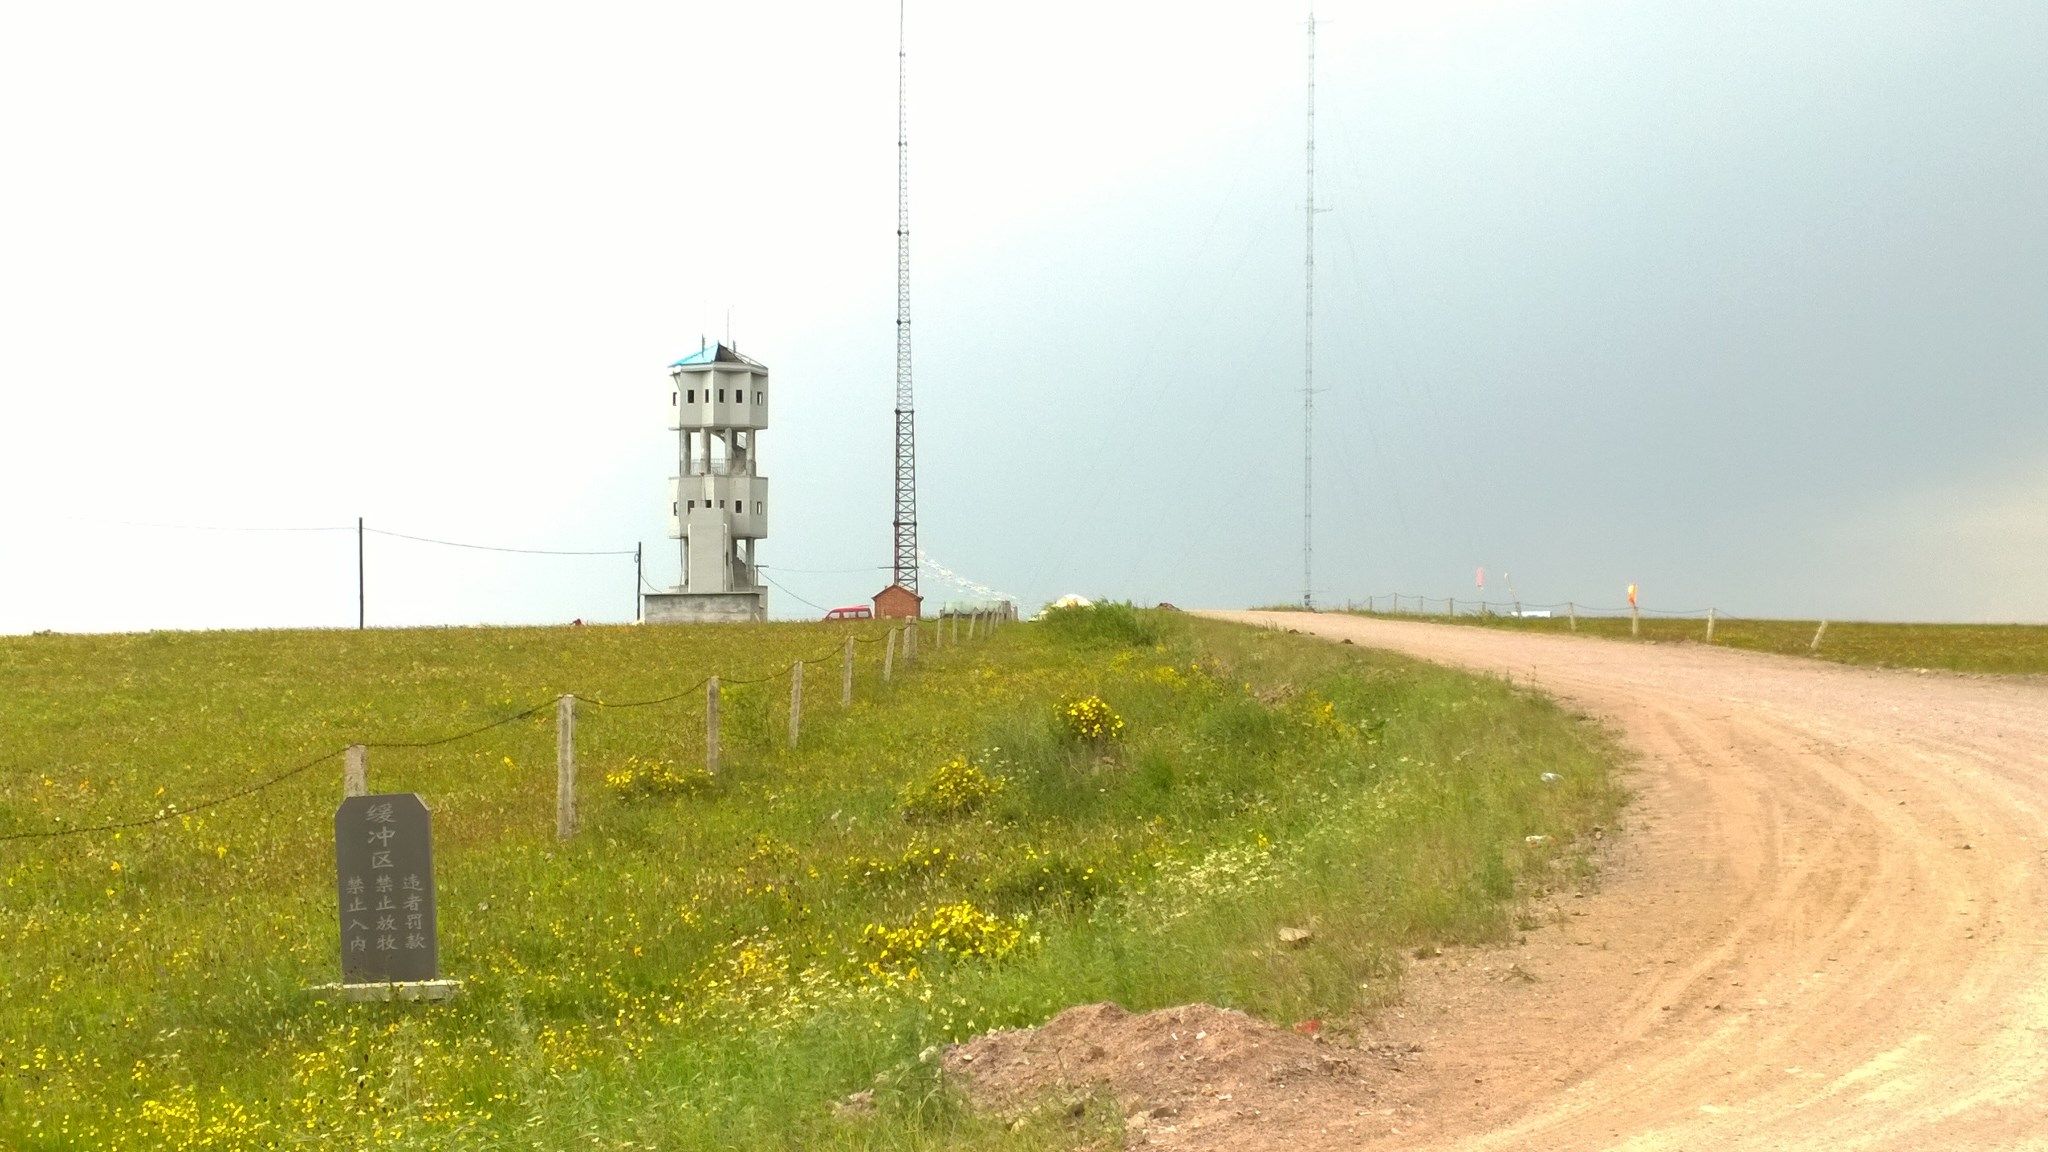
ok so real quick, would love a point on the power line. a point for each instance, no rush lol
(792, 595)
(500, 548)
(218, 527)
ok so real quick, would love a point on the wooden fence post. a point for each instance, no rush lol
(565, 767)
(889, 657)
(846, 676)
(355, 771)
(796, 700)
(955, 641)
(1710, 625)
(711, 726)
(1450, 605)
(1635, 621)
(1571, 611)
(910, 632)
(1817, 634)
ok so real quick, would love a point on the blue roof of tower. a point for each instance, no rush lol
(715, 354)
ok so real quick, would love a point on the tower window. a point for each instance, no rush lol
(760, 397)
(721, 395)
(693, 395)
(693, 505)
(757, 507)
(672, 398)
(672, 508)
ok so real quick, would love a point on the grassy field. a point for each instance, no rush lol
(2009, 649)
(1107, 805)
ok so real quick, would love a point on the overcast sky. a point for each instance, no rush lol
(1744, 302)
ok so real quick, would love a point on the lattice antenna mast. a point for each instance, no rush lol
(1308, 357)
(906, 421)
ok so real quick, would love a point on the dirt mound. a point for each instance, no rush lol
(1192, 1077)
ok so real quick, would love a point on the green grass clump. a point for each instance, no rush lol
(1109, 624)
(713, 964)
(2007, 649)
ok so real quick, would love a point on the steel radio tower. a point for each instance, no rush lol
(906, 420)
(1308, 358)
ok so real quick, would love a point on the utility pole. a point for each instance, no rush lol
(1308, 359)
(639, 578)
(359, 574)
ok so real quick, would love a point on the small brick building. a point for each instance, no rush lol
(898, 603)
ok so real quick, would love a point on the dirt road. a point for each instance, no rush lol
(1825, 926)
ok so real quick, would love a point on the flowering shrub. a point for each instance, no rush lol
(954, 788)
(640, 777)
(895, 952)
(1090, 720)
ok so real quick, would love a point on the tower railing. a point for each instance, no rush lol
(721, 468)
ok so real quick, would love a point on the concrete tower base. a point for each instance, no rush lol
(704, 607)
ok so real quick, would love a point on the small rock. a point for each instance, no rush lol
(1550, 777)
(1296, 937)
(1535, 839)
(861, 1103)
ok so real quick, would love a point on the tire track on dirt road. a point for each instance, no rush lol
(1826, 926)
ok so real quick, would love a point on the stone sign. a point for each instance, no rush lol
(384, 860)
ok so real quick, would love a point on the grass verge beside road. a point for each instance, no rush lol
(2004, 649)
(1106, 805)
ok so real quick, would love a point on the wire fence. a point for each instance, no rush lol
(1405, 604)
(903, 639)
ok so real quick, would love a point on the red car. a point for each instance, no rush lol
(851, 612)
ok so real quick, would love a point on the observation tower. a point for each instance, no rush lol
(718, 500)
